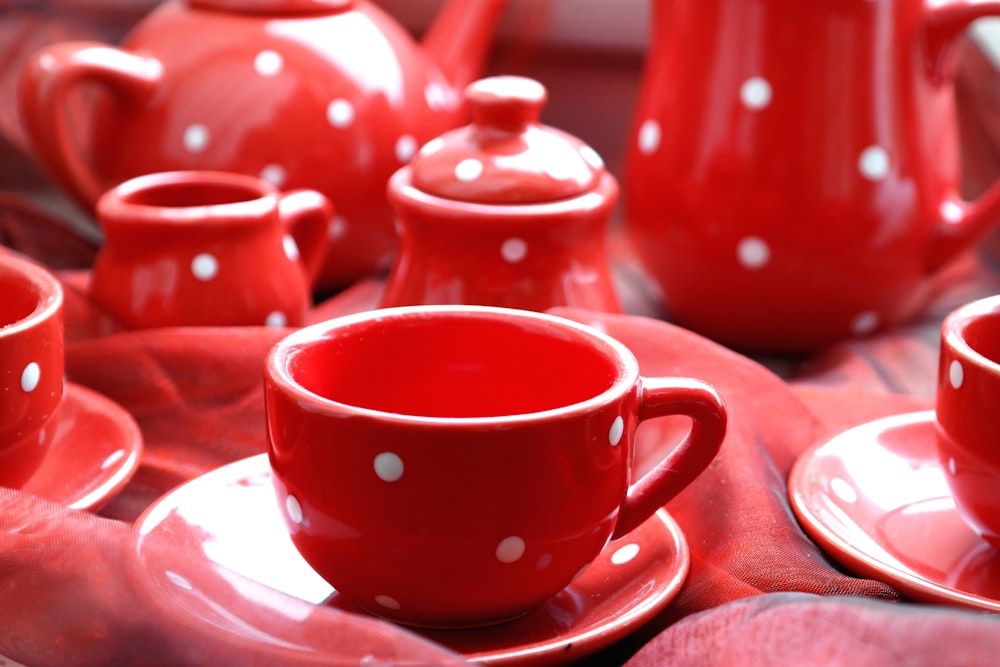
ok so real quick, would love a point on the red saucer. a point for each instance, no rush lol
(231, 515)
(876, 499)
(94, 454)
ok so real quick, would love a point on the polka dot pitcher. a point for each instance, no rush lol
(792, 176)
(201, 248)
(331, 95)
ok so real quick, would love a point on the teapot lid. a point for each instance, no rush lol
(505, 156)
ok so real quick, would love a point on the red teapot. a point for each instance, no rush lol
(331, 95)
(792, 176)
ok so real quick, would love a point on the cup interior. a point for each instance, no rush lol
(982, 335)
(21, 298)
(192, 192)
(455, 366)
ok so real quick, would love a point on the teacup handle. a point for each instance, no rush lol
(43, 90)
(662, 397)
(305, 215)
(960, 223)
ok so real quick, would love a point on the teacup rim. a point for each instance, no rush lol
(954, 324)
(276, 366)
(48, 284)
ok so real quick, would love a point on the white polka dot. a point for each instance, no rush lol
(617, 429)
(340, 113)
(874, 163)
(406, 148)
(268, 63)
(388, 602)
(178, 580)
(843, 490)
(865, 322)
(388, 466)
(514, 250)
(468, 170)
(592, 157)
(30, 377)
(276, 319)
(753, 252)
(204, 266)
(338, 228)
(649, 137)
(274, 174)
(196, 138)
(624, 554)
(294, 508)
(291, 248)
(543, 561)
(436, 96)
(952, 212)
(952, 466)
(510, 549)
(755, 93)
(956, 374)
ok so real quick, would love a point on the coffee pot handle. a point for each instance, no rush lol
(960, 223)
(305, 216)
(661, 397)
(44, 93)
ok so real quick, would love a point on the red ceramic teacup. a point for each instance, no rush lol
(456, 466)
(31, 365)
(968, 402)
(208, 248)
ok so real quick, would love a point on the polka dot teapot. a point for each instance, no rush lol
(792, 177)
(331, 95)
(504, 211)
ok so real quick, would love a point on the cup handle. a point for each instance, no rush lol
(960, 223)
(306, 215)
(661, 397)
(43, 89)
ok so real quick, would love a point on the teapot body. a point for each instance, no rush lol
(334, 101)
(783, 193)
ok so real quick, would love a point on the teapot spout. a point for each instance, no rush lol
(461, 36)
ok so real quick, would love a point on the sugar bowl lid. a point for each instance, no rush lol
(505, 156)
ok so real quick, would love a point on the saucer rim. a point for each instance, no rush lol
(102, 488)
(832, 541)
(551, 651)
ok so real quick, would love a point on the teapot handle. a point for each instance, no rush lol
(960, 222)
(305, 216)
(43, 91)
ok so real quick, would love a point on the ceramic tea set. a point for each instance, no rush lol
(779, 203)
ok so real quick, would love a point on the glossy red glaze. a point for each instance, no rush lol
(31, 365)
(793, 167)
(504, 211)
(319, 94)
(208, 248)
(968, 401)
(453, 466)
(875, 497)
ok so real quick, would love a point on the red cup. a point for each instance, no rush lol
(456, 466)
(968, 402)
(31, 365)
